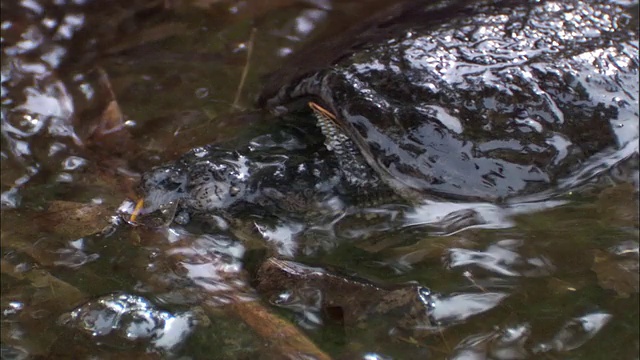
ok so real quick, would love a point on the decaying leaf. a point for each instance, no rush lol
(73, 219)
(616, 207)
(111, 119)
(616, 273)
(29, 310)
(62, 293)
(355, 299)
(108, 130)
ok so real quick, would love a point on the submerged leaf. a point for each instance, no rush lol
(62, 293)
(307, 289)
(72, 219)
(615, 207)
(616, 273)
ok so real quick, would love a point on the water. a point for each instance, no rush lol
(539, 277)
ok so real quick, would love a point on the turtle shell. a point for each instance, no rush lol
(505, 100)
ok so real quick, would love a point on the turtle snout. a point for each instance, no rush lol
(162, 188)
(215, 186)
(166, 178)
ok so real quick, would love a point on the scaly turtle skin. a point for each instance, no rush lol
(504, 101)
(354, 169)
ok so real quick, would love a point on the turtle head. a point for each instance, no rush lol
(163, 185)
(217, 178)
(206, 179)
(160, 191)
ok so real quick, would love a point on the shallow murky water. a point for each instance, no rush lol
(95, 94)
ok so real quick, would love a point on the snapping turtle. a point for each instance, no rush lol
(503, 101)
(483, 101)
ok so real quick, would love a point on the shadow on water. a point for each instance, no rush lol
(95, 95)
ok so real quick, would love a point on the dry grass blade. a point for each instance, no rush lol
(320, 111)
(245, 70)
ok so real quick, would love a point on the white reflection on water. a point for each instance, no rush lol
(374, 356)
(123, 320)
(306, 302)
(502, 344)
(70, 25)
(501, 258)
(575, 333)
(197, 267)
(282, 237)
(449, 218)
(458, 307)
(73, 257)
(512, 342)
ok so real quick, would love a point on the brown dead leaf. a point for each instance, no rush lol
(616, 273)
(41, 294)
(109, 130)
(100, 123)
(73, 219)
(62, 293)
(111, 119)
(616, 205)
(110, 135)
(356, 298)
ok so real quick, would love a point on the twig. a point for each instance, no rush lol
(245, 70)
(284, 337)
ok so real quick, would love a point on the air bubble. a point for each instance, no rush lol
(202, 93)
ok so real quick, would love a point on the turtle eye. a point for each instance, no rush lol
(234, 190)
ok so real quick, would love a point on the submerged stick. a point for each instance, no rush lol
(283, 336)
